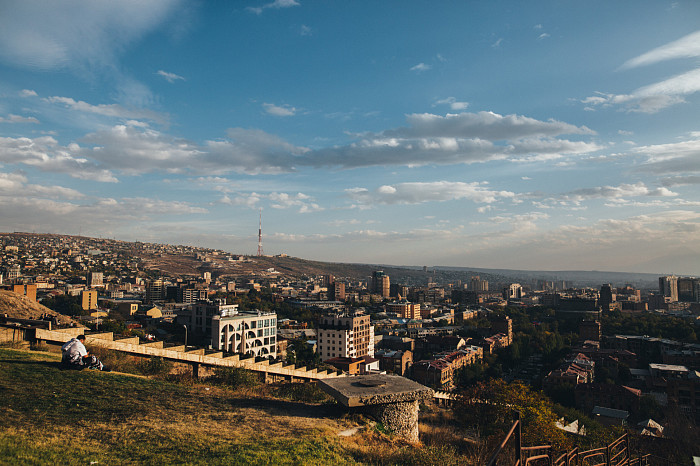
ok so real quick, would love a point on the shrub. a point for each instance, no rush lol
(116, 361)
(154, 366)
(304, 392)
(236, 377)
(39, 346)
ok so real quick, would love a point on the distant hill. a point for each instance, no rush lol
(190, 264)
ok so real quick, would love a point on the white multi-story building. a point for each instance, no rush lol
(345, 336)
(253, 333)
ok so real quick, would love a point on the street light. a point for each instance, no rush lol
(185, 336)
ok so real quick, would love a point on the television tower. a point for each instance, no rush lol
(260, 249)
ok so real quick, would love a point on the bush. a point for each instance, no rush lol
(154, 366)
(304, 392)
(236, 377)
(116, 361)
(39, 346)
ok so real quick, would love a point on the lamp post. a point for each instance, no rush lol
(185, 336)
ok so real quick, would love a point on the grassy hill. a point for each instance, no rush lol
(54, 416)
(17, 306)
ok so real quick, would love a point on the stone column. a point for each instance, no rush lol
(399, 418)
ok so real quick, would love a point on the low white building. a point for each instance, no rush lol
(253, 333)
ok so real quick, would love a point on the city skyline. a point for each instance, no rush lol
(541, 136)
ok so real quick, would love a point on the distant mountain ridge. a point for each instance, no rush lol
(404, 274)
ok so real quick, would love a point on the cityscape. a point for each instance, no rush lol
(368, 232)
(574, 343)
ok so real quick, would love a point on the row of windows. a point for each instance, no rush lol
(263, 323)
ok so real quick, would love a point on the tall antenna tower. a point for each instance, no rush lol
(260, 249)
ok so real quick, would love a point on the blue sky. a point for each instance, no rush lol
(533, 135)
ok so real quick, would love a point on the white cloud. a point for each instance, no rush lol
(485, 125)
(419, 192)
(277, 110)
(135, 150)
(420, 67)
(100, 215)
(300, 200)
(276, 5)
(455, 139)
(682, 158)
(27, 93)
(47, 155)
(14, 184)
(686, 47)
(18, 119)
(497, 43)
(520, 223)
(75, 33)
(614, 192)
(170, 77)
(108, 110)
(680, 180)
(134, 147)
(657, 96)
(305, 30)
(544, 35)
(453, 103)
(278, 200)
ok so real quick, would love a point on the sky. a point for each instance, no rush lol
(543, 135)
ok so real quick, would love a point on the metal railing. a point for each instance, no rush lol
(616, 453)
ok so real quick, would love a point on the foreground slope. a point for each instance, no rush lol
(54, 416)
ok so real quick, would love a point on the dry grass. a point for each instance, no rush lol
(77, 417)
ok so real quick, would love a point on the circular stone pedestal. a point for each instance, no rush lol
(390, 399)
(399, 418)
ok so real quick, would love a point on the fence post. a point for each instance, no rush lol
(518, 441)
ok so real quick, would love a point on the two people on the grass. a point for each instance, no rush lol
(76, 355)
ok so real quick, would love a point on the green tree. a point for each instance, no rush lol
(66, 304)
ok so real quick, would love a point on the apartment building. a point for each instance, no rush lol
(347, 336)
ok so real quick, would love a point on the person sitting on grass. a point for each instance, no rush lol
(75, 355)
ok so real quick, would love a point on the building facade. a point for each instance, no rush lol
(251, 333)
(380, 284)
(347, 336)
(668, 287)
(89, 299)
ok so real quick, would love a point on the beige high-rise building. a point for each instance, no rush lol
(89, 299)
(380, 284)
(345, 336)
(405, 309)
(155, 291)
(668, 287)
(477, 284)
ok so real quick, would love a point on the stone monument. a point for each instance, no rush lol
(390, 399)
